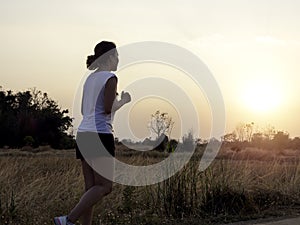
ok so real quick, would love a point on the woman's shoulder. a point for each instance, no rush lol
(104, 76)
(101, 76)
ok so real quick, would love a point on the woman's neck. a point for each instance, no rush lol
(103, 68)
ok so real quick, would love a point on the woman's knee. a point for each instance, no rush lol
(104, 183)
(102, 189)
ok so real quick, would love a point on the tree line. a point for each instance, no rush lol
(245, 134)
(31, 117)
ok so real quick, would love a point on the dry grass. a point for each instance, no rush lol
(35, 187)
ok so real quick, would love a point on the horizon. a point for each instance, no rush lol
(255, 128)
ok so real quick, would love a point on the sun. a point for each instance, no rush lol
(262, 95)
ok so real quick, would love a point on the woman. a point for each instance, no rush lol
(98, 105)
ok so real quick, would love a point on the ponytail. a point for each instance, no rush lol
(89, 61)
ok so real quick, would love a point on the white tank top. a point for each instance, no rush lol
(92, 106)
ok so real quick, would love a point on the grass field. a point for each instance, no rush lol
(35, 186)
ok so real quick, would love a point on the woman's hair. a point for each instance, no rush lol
(100, 49)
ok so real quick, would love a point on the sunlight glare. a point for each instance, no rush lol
(262, 95)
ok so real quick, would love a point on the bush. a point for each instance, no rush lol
(28, 140)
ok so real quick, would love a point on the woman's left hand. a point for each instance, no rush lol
(125, 97)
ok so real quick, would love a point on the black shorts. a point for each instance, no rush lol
(92, 144)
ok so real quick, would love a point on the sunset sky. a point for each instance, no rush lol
(251, 47)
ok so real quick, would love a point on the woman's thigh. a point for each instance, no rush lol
(103, 170)
(88, 174)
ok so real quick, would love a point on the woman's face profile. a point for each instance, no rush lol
(114, 61)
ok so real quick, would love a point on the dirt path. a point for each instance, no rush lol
(294, 221)
(290, 221)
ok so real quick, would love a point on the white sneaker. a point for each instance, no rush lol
(62, 220)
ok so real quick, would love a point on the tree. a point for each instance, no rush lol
(258, 139)
(281, 139)
(161, 123)
(249, 131)
(188, 141)
(244, 131)
(231, 137)
(295, 143)
(240, 132)
(269, 132)
(32, 113)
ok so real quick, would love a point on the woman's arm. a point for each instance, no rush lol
(125, 98)
(111, 104)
